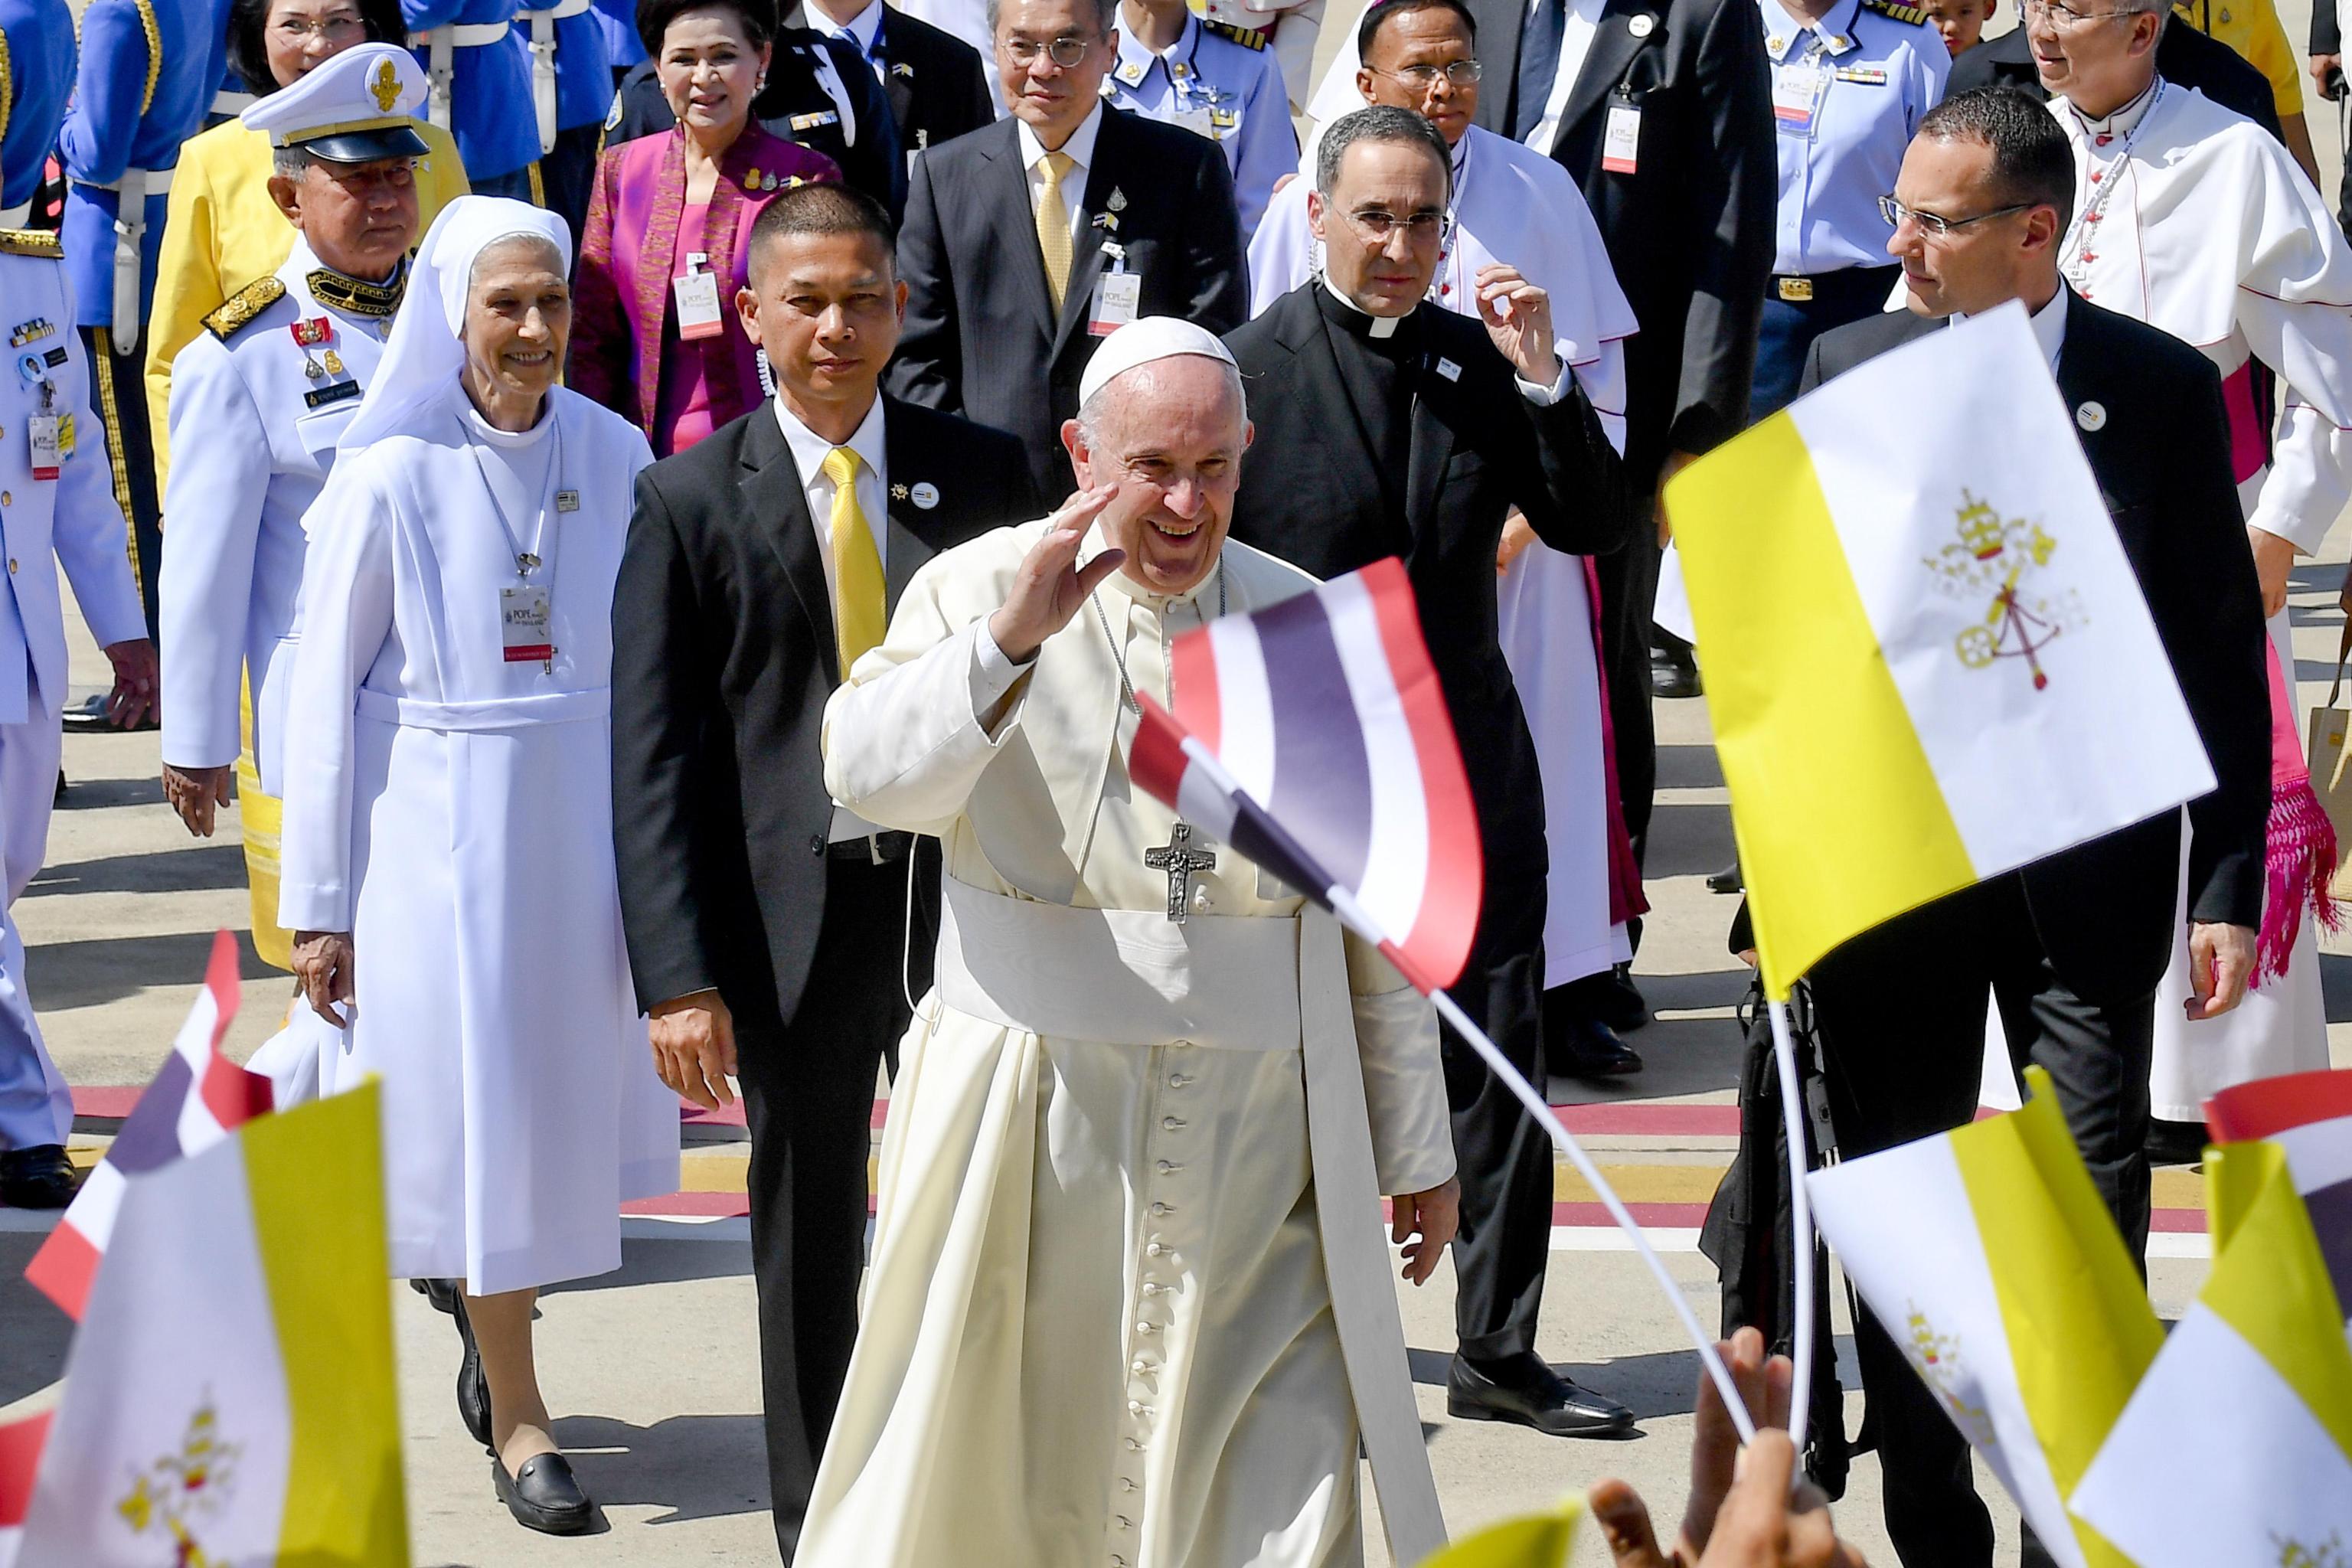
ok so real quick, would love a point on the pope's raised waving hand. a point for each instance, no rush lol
(1050, 585)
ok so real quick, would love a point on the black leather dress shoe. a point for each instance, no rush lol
(1674, 675)
(95, 716)
(2175, 1142)
(1728, 881)
(1521, 1388)
(1618, 1002)
(473, 1383)
(442, 1293)
(37, 1177)
(544, 1495)
(1584, 1047)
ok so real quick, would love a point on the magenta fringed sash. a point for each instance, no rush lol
(2299, 849)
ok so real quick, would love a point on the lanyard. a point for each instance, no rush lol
(528, 561)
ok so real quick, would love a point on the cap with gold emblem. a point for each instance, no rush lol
(354, 108)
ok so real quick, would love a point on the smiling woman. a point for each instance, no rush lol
(667, 246)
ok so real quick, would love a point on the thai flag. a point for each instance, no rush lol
(1312, 736)
(195, 1101)
(2309, 1114)
(20, 1461)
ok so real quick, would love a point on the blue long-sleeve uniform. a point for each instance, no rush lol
(491, 113)
(40, 35)
(142, 88)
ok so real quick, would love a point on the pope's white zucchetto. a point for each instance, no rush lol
(1143, 340)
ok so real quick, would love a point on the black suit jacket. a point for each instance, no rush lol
(723, 659)
(2103, 909)
(937, 85)
(1690, 231)
(1311, 494)
(2183, 54)
(795, 91)
(982, 338)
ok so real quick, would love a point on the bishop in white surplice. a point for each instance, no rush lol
(2193, 219)
(1128, 1302)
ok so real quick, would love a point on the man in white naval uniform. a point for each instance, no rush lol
(263, 394)
(2191, 218)
(1128, 1302)
(56, 504)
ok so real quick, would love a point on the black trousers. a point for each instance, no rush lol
(119, 388)
(1900, 1011)
(568, 175)
(808, 1096)
(1628, 591)
(1503, 1158)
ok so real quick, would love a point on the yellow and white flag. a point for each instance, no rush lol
(1531, 1541)
(2237, 1448)
(1927, 660)
(1987, 1254)
(229, 1397)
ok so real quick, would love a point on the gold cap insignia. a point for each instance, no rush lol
(385, 88)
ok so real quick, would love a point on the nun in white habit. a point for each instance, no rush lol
(448, 836)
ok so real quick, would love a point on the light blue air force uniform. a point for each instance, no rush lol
(1847, 94)
(1223, 82)
(60, 511)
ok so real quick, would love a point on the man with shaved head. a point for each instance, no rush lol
(1140, 1119)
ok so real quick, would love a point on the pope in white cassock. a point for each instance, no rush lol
(1127, 1304)
(2191, 218)
(448, 844)
(1510, 207)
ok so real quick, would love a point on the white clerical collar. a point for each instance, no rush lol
(480, 429)
(1079, 149)
(2049, 324)
(809, 448)
(2123, 122)
(1381, 327)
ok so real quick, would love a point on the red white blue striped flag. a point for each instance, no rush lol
(196, 1098)
(1313, 737)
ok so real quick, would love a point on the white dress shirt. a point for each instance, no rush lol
(2049, 324)
(1575, 42)
(1080, 150)
(860, 30)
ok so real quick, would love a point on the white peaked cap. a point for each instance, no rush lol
(365, 92)
(1141, 342)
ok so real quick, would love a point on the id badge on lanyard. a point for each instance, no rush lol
(523, 617)
(1797, 90)
(1620, 136)
(1119, 295)
(696, 292)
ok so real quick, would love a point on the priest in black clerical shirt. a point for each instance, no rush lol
(1391, 425)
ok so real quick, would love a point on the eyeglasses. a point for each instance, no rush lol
(1068, 51)
(2064, 17)
(1936, 226)
(334, 29)
(1422, 77)
(1378, 223)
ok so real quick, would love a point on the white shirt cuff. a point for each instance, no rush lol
(992, 674)
(1545, 396)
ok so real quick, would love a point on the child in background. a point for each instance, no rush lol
(1961, 22)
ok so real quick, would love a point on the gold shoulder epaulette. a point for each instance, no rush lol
(1247, 38)
(243, 306)
(1901, 13)
(40, 242)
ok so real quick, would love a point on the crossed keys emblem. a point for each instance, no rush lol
(2004, 560)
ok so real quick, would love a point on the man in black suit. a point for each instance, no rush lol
(1662, 110)
(1389, 426)
(937, 84)
(819, 94)
(2183, 54)
(1026, 241)
(767, 930)
(2069, 948)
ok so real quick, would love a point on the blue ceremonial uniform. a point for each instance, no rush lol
(622, 45)
(1847, 94)
(1224, 83)
(40, 51)
(481, 92)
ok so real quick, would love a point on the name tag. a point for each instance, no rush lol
(523, 617)
(1119, 299)
(1198, 121)
(52, 436)
(1797, 93)
(697, 305)
(334, 391)
(1621, 139)
(1449, 370)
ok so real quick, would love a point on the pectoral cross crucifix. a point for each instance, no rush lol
(1180, 860)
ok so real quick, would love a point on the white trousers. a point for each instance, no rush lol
(35, 1106)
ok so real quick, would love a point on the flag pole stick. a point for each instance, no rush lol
(1516, 1081)
(1801, 1222)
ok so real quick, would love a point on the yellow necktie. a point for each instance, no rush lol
(1054, 228)
(858, 617)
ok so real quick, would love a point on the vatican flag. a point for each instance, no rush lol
(229, 1397)
(1531, 1541)
(1987, 1256)
(1927, 660)
(2237, 1448)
